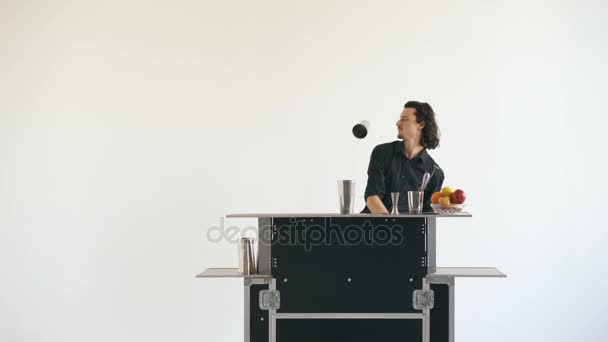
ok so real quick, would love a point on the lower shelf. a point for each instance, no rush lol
(228, 273)
(471, 272)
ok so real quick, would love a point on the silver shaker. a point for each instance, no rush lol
(346, 194)
(360, 129)
(247, 264)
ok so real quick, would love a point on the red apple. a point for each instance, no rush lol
(458, 197)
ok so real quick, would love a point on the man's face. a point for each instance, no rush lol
(407, 126)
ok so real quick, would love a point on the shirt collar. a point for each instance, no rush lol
(423, 156)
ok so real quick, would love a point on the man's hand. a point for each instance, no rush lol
(375, 205)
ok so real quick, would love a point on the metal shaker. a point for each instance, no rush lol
(360, 129)
(346, 194)
(247, 264)
(415, 201)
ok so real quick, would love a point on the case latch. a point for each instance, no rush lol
(423, 299)
(270, 300)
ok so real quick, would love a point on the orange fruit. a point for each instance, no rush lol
(435, 198)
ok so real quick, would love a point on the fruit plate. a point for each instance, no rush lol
(452, 209)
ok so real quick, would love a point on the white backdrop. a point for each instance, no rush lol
(127, 128)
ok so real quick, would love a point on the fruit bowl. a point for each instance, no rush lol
(452, 209)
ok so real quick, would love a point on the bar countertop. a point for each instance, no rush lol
(387, 216)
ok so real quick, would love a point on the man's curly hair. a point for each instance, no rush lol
(430, 132)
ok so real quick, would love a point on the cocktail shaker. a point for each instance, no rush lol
(247, 262)
(360, 129)
(415, 201)
(346, 194)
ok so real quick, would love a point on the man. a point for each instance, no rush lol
(399, 166)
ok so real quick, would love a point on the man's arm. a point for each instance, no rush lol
(375, 189)
(375, 205)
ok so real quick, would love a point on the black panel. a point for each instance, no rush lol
(258, 319)
(349, 330)
(440, 314)
(317, 256)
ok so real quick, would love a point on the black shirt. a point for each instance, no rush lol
(391, 171)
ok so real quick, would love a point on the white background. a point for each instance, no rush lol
(128, 128)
